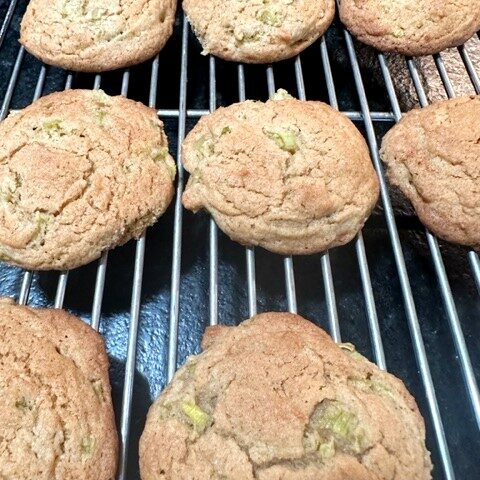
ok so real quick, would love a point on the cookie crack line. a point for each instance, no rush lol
(53, 398)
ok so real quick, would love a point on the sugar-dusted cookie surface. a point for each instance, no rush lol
(411, 27)
(56, 419)
(96, 35)
(258, 31)
(275, 398)
(80, 173)
(290, 176)
(433, 157)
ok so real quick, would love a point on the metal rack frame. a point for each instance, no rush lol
(364, 115)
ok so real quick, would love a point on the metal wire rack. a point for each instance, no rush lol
(372, 123)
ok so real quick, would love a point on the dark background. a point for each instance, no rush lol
(152, 347)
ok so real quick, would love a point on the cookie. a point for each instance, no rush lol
(80, 173)
(255, 31)
(96, 35)
(290, 176)
(433, 157)
(57, 419)
(276, 398)
(411, 27)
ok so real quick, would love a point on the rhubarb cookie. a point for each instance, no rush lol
(57, 419)
(411, 27)
(96, 35)
(290, 176)
(433, 157)
(256, 31)
(276, 398)
(80, 173)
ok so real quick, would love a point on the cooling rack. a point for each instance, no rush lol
(410, 302)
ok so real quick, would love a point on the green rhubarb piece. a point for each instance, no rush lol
(336, 422)
(159, 154)
(285, 139)
(199, 419)
(23, 404)
(52, 126)
(98, 389)
(269, 17)
(326, 450)
(281, 94)
(100, 116)
(88, 445)
(350, 349)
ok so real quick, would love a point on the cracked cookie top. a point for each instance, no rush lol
(293, 177)
(258, 31)
(80, 173)
(411, 27)
(96, 35)
(275, 398)
(57, 419)
(433, 156)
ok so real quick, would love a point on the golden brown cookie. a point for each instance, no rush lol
(258, 31)
(80, 173)
(57, 419)
(411, 27)
(96, 35)
(433, 156)
(275, 398)
(293, 177)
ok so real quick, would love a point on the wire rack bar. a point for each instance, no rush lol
(359, 243)
(287, 261)
(446, 291)
(178, 219)
(103, 261)
(325, 257)
(61, 289)
(213, 233)
(412, 317)
(475, 264)
(472, 73)
(63, 277)
(447, 84)
(69, 82)
(25, 287)
(128, 384)
(98, 292)
(352, 115)
(249, 252)
(131, 359)
(97, 81)
(12, 83)
(7, 20)
(27, 274)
